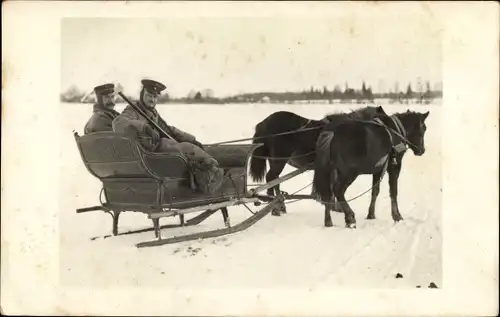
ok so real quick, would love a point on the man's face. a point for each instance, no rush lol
(108, 101)
(150, 99)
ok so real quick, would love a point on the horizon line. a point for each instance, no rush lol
(298, 90)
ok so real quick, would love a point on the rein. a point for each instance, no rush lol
(395, 119)
(399, 126)
(301, 129)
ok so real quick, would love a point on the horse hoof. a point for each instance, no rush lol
(282, 208)
(351, 226)
(370, 217)
(328, 224)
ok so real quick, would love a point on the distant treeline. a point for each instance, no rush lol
(346, 95)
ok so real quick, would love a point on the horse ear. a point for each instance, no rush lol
(425, 115)
(380, 110)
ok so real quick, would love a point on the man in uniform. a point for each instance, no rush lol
(208, 175)
(104, 113)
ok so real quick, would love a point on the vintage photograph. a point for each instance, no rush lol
(251, 152)
(249, 158)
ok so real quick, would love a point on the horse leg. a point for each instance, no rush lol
(281, 207)
(335, 206)
(329, 206)
(394, 170)
(274, 172)
(275, 169)
(332, 203)
(270, 175)
(340, 188)
(375, 192)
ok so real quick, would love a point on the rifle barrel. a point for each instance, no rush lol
(139, 110)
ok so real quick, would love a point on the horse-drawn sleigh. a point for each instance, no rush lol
(162, 185)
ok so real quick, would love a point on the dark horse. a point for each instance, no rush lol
(297, 149)
(354, 148)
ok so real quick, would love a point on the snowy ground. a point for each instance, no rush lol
(294, 250)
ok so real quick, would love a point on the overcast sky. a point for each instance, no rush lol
(234, 55)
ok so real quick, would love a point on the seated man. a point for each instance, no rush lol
(208, 175)
(104, 113)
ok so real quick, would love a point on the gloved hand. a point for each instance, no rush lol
(198, 144)
(155, 136)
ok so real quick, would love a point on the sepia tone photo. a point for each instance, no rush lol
(253, 158)
(260, 152)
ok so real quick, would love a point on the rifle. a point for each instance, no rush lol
(139, 110)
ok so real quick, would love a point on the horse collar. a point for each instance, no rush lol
(380, 122)
(397, 148)
(400, 147)
(399, 125)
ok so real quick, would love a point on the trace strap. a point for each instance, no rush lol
(287, 158)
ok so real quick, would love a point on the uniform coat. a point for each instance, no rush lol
(101, 120)
(130, 118)
(207, 174)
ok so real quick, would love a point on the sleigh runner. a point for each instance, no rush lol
(161, 185)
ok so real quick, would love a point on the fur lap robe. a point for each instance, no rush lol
(207, 175)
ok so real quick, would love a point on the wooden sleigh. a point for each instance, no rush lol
(161, 185)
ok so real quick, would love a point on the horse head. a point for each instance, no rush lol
(414, 124)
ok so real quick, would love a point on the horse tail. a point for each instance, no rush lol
(324, 173)
(257, 162)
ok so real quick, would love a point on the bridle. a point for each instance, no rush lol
(401, 132)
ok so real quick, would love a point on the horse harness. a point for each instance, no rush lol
(398, 148)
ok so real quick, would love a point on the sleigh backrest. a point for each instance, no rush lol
(113, 155)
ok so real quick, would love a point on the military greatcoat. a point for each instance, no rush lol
(101, 120)
(208, 175)
(130, 118)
